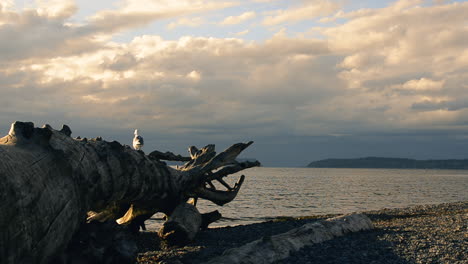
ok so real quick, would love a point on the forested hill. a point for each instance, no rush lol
(390, 163)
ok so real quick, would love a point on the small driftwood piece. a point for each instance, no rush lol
(181, 226)
(278, 247)
(184, 223)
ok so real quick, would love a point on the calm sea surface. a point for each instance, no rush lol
(271, 192)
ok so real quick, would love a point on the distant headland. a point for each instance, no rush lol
(391, 163)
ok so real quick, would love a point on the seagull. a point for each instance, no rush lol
(137, 141)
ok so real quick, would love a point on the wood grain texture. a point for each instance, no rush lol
(51, 182)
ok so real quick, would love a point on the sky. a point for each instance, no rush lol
(306, 80)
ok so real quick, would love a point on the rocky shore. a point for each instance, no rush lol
(420, 234)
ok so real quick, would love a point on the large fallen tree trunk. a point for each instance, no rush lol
(275, 248)
(52, 183)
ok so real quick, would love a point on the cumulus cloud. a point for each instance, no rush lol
(45, 31)
(422, 84)
(391, 44)
(134, 13)
(42, 33)
(233, 20)
(389, 69)
(148, 74)
(56, 8)
(403, 66)
(309, 10)
(187, 22)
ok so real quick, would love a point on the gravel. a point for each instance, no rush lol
(421, 234)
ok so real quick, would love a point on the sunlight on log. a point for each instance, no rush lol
(65, 182)
(278, 247)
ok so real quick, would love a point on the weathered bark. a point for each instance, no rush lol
(103, 243)
(50, 182)
(275, 248)
(167, 156)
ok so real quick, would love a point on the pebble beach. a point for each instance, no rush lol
(420, 234)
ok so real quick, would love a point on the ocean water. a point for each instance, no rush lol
(271, 192)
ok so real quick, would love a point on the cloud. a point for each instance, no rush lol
(392, 69)
(429, 105)
(440, 1)
(309, 10)
(242, 33)
(233, 20)
(194, 75)
(42, 33)
(422, 84)
(6, 4)
(58, 9)
(390, 44)
(136, 13)
(265, 1)
(188, 22)
(146, 81)
(402, 66)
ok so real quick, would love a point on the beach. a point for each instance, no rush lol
(419, 234)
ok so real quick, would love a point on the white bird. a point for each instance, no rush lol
(137, 141)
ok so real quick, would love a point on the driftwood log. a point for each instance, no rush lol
(182, 225)
(275, 248)
(52, 183)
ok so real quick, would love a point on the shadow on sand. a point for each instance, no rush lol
(362, 247)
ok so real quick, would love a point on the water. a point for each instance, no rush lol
(271, 192)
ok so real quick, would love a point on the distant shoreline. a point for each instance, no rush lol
(390, 163)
